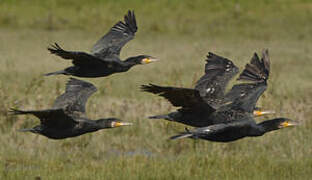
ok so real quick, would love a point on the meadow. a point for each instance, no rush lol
(180, 34)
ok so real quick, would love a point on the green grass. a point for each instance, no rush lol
(180, 34)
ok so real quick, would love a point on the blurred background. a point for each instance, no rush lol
(180, 33)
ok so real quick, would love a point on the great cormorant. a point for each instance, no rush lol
(104, 58)
(209, 93)
(67, 117)
(235, 120)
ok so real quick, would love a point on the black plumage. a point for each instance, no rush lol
(67, 116)
(104, 58)
(234, 130)
(209, 93)
(227, 121)
(218, 72)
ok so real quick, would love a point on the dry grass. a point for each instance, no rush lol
(143, 151)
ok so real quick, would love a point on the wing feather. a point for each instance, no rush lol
(75, 97)
(52, 118)
(117, 37)
(218, 72)
(188, 99)
(246, 95)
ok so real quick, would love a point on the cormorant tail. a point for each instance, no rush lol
(27, 130)
(185, 134)
(160, 117)
(56, 73)
(182, 135)
(18, 112)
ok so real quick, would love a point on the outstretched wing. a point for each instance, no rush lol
(52, 118)
(75, 97)
(117, 37)
(246, 95)
(188, 99)
(258, 70)
(218, 72)
(81, 59)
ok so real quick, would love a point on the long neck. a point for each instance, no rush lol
(131, 61)
(103, 124)
(267, 126)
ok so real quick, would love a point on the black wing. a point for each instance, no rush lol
(246, 95)
(117, 37)
(249, 95)
(81, 59)
(52, 118)
(218, 72)
(75, 97)
(188, 99)
(258, 70)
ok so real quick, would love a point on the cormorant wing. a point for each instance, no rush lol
(244, 96)
(75, 97)
(117, 37)
(82, 59)
(257, 70)
(248, 95)
(52, 118)
(188, 99)
(218, 72)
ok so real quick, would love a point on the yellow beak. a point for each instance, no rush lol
(261, 113)
(149, 60)
(117, 124)
(289, 124)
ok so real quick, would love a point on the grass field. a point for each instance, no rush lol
(180, 34)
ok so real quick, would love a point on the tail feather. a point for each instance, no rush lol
(152, 88)
(56, 73)
(182, 135)
(18, 112)
(160, 117)
(257, 70)
(27, 130)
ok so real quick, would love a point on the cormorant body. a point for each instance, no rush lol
(104, 58)
(67, 117)
(222, 117)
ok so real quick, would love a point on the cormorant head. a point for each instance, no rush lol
(141, 59)
(112, 122)
(284, 122)
(276, 124)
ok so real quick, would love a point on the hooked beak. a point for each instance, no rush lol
(149, 60)
(262, 113)
(288, 123)
(117, 124)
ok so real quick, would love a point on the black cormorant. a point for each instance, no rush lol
(235, 120)
(104, 58)
(236, 129)
(67, 116)
(209, 93)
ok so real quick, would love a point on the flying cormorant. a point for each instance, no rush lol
(209, 93)
(104, 58)
(233, 120)
(67, 117)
